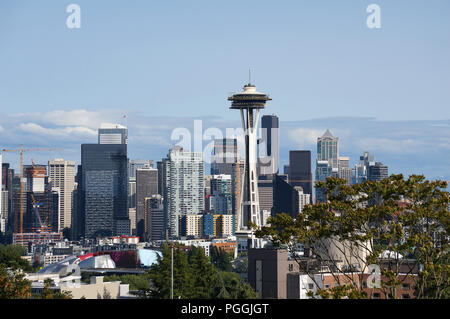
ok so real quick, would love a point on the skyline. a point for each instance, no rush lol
(408, 147)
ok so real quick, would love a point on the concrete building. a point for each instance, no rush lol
(302, 199)
(183, 185)
(61, 174)
(267, 271)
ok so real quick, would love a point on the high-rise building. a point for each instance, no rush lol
(300, 172)
(328, 149)
(4, 211)
(154, 218)
(146, 186)
(249, 102)
(35, 178)
(378, 172)
(183, 185)
(221, 194)
(133, 165)
(62, 175)
(265, 188)
(268, 145)
(112, 134)
(284, 197)
(323, 171)
(105, 189)
(369, 169)
(302, 199)
(78, 221)
(160, 167)
(224, 156)
(327, 161)
(345, 172)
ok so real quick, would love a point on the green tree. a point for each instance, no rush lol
(204, 274)
(160, 275)
(11, 257)
(200, 279)
(407, 217)
(221, 259)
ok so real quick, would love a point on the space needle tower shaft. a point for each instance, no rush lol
(249, 102)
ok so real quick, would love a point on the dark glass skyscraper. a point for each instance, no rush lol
(146, 186)
(105, 189)
(268, 163)
(300, 173)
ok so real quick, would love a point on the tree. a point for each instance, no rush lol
(221, 259)
(401, 222)
(13, 284)
(160, 275)
(11, 257)
(195, 276)
(204, 274)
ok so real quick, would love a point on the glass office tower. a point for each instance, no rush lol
(105, 189)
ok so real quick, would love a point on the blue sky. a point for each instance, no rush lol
(159, 59)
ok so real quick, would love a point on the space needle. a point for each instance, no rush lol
(249, 102)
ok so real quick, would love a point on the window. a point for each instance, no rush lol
(406, 296)
(310, 286)
(291, 267)
(327, 286)
(376, 295)
(406, 286)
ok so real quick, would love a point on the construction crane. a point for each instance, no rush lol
(21, 151)
(40, 227)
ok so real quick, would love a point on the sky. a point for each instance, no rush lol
(164, 64)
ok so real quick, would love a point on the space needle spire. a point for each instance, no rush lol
(249, 102)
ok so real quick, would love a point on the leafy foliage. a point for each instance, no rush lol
(195, 276)
(11, 257)
(409, 218)
(13, 285)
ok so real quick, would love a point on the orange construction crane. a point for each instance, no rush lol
(21, 150)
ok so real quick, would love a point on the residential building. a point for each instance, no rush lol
(183, 185)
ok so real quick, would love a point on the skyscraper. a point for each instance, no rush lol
(105, 189)
(249, 102)
(146, 187)
(328, 149)
(221, 193)
(225, 155)
(183, 185)
(268, 145)
(62, 175)
(378, 172)
(369, 169)
(134, 164)
(300, 173)
(345, 172)
(112, 134)
(327, 162)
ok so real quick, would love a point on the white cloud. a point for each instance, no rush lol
(57, 132)
(305, 136)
